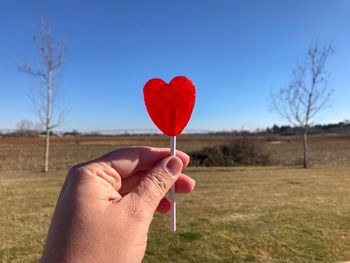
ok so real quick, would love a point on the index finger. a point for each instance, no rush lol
(127, 161)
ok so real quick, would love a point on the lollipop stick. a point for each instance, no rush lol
(173, 194)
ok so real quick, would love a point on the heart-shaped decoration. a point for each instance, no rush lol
(170, 105)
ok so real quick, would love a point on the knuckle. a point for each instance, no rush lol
(77, 169)
(83, 168)
(77, 172)
(157, 180)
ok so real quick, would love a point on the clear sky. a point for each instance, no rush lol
(236, 52)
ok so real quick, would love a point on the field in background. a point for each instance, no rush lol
(241, 214)
(27, 153)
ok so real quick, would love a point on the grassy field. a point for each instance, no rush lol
(240, 214)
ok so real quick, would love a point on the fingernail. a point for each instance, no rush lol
(174, 165)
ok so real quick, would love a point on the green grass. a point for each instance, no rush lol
(241, 214)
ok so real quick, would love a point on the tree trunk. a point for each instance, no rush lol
(47, 150)
(48, 120)
(306, 151)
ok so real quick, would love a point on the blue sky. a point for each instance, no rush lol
(236, 52)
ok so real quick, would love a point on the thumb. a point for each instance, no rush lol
(155, 184)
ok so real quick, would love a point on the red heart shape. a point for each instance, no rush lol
(170, 105)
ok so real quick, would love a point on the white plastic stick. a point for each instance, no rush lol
(173, 193)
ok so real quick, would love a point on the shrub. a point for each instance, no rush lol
(243, 151)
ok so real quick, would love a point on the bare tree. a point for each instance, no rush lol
(307, 94)
(44, 98)
(26, 127)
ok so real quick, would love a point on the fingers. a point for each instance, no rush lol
(164, 206)
(184, 183)
(130, 160)
(149, 193)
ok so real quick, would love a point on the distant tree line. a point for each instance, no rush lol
(338, 128)
(28, 128)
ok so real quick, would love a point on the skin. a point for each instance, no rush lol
(106, 206)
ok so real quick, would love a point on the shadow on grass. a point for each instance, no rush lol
(190, 236)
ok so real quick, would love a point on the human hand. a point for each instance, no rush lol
(106, 205)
